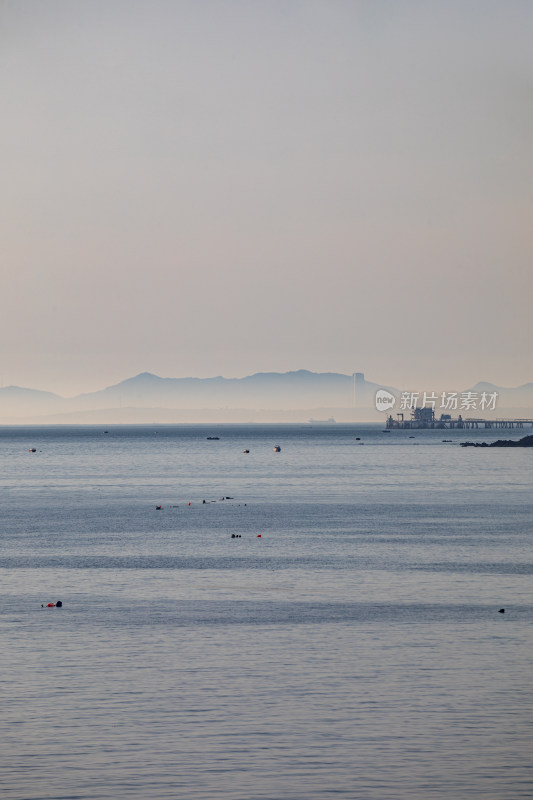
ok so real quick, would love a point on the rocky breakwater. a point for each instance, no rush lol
(526, 441)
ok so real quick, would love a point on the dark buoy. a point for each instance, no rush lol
(245, 451)
(59, 604)
(501, 611)
(277, 449)
(33, 450)
(158, 508)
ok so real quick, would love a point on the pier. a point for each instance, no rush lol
(425, 418)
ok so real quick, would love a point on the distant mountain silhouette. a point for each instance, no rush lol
(300, 389)
(24, 400)
(299, 394)
(512, 397)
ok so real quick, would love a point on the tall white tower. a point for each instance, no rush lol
(358, 386)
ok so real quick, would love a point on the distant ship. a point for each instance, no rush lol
(329, 421)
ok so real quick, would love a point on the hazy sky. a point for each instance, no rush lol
(204, 188)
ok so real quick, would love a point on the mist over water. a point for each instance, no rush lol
(353, 649)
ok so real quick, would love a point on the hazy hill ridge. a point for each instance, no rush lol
(290, 391)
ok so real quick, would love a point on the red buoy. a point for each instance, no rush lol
(50, 605)
(258, 535)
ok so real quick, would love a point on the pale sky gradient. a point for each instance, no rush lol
(220, 188)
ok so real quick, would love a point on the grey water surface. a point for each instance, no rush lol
(346, 643)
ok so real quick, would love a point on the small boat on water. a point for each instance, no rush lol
(277, 449)
(212, 438)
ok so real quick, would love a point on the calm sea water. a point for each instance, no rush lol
(352, 650)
